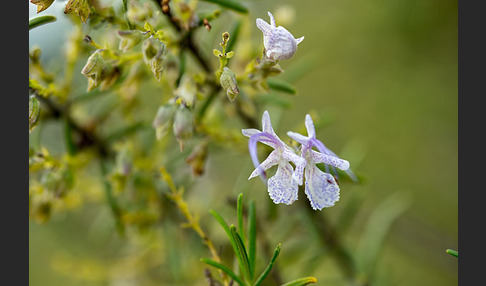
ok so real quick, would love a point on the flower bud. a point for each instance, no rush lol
(225, 36)
(34, 113)
(228, 83)
(279, 43)
(183, 125)
(93, 69)
(163, 119)
(128, 39)
(153, 54)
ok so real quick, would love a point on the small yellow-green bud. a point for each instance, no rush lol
(128, 39)
(183, 125)
(228, 83)
(163, 119)
(34, 113)
(226, 36)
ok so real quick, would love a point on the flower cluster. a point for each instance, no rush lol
(321, 188)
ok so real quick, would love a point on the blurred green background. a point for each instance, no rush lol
(383, 78)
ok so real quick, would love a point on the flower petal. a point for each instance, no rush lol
(263, 26)
(266, 123)
(250, 132)
(265, 138)
(300, 163)
(309, 124)
(299, 40)
(318, 157)
(272, 160)
(298, 137)
(321, 188)
(281, 187)
(272, 19)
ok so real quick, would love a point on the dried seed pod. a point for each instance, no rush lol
(279, 43)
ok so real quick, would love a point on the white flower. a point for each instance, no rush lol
(320, 187)
(279, 43)
(283, 186)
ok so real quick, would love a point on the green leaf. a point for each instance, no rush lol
(224, 269)
(281, 86)
(41, 20)
(301, 281)
(252, 236)
(226, 228)
(239, 212)
(217, 53)
(231, 4)
(453, 252)
(241, 254)
(269, 266)
(230, 54)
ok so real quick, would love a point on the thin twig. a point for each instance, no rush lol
(176, 196)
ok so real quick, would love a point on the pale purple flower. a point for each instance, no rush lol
(321, 188)
(279, 43)
(283, 186)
